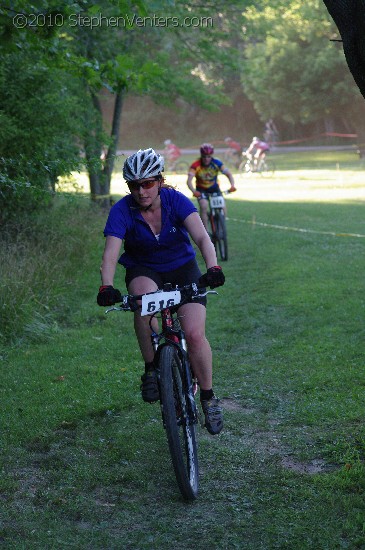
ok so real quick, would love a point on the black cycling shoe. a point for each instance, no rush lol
(213, 415)
(149, 387)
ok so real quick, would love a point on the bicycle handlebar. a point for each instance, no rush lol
(191, 291)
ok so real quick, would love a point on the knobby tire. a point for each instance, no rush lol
(180, 429)
(221, 243)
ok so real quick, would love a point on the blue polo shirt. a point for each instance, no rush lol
(171, 250)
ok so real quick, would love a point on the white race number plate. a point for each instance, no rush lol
(216, 202)
(151, 303)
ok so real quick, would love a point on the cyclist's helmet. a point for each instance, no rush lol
(255, 139)
(206, 149)
(146, 163)
(167, 141)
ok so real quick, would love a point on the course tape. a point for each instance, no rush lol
(297, 229)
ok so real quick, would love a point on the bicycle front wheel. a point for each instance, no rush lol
(181, 167)
(245, 167)
(178, 422)
(220, 242)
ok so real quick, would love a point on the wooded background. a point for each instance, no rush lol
(79, 80)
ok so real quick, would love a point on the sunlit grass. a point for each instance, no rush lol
(324, 176)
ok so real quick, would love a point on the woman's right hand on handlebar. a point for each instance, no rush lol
(108, 296)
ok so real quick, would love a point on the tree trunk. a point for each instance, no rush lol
(112, 150)
(93, 149)
(100, 174)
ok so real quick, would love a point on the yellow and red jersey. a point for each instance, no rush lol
(207, 176)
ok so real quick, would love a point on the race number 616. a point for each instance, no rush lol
(158, 305)
(158, 301)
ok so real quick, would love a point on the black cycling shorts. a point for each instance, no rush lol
(184, 275)
(205, 194)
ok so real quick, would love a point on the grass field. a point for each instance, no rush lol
(84, 461)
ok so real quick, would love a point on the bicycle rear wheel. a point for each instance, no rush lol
(268, 168)
(178, 421)
(220, 242)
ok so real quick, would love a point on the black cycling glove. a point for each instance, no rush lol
(213, 277)
(108, 296)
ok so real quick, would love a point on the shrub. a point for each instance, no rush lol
(41, 256)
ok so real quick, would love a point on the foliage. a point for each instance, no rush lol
(145, 59)
(39, 123)
(292, 70)
(121, 47)
(57, 65)
(41, 256)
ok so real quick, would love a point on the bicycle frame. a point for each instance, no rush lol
(263, 167)
(177, 387)
(175, 336)
(216, 208)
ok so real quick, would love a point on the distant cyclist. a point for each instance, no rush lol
(257, 151)
(171, 153)
(235, 150)
(205, 170)
(270, 132)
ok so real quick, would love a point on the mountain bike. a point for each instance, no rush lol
(177, 384)
(265, 167)
(217, 222)
(177, 166)
(232, 158)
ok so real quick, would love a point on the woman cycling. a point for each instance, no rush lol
(155, 222)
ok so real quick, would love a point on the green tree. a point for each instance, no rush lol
(292, 70)
(160, 53)
(38, 124)
(163, 56)
(38, 116)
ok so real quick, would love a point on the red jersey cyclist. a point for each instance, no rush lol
(205, 170)
(171, 153)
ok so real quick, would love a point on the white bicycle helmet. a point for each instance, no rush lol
(146, 163)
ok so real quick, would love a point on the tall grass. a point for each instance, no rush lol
(41, 258)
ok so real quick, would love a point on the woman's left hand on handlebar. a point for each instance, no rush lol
(213, 278)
